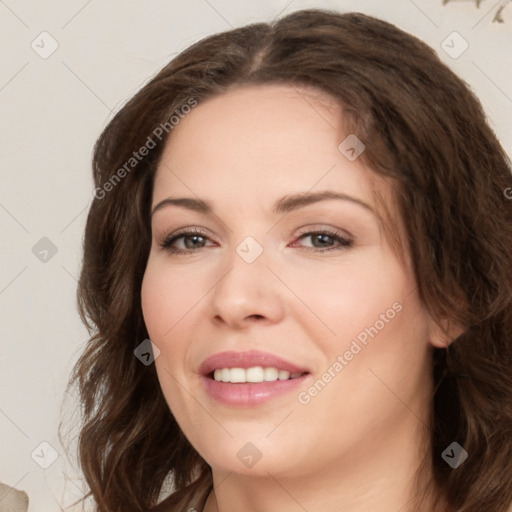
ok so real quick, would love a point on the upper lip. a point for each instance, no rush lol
(247, 359)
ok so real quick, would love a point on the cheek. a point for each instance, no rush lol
(173, 300)
(351, 294)
(154, 303)
(167, 295)
(164, 312)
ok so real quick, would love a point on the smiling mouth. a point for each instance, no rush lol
(252, 375)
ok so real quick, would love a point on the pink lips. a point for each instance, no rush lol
(248, 394)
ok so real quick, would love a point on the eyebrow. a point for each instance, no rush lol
(284, 205)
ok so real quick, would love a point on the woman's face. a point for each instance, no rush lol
(251, 289)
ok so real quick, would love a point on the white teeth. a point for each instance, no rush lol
(237, 375)
(284, 375)
(253, 374)
(270, 374)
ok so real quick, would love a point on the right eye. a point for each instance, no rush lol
(192, 239)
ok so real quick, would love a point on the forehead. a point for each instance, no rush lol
(255, 136)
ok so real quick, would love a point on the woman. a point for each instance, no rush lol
(308, 220)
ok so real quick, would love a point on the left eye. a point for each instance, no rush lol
(324, 240)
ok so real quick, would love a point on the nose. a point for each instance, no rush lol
(247, 293)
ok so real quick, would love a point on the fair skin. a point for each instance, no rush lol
(355, 445)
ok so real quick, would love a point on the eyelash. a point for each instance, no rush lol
(344, 243)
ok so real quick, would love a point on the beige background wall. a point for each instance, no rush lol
(53, 106)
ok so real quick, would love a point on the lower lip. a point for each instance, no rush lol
(250, 394)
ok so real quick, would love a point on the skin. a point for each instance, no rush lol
(357, 444)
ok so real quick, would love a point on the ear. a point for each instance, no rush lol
(442, 335)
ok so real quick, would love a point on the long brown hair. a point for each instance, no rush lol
(425, 130)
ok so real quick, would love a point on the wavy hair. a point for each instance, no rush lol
(423, 129)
